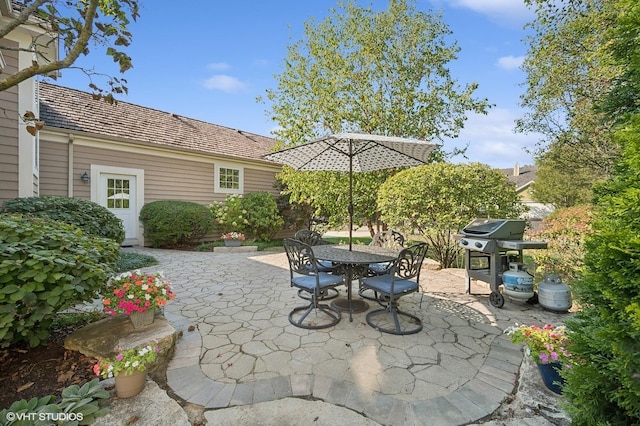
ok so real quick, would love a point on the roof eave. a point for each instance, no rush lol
(100, 137)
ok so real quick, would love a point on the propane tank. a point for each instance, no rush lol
(553, 294)
(518, 283)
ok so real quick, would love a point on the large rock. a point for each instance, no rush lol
(104, 339)
(150, 407)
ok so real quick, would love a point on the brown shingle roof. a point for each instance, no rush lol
(527, 175)
(74, 110)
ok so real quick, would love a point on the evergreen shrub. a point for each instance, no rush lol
(173, 223)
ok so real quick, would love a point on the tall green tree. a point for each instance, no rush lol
(603, 386)
(559, 181)
(438, 200)
(374, 72)
(568, 74)
(79, 26)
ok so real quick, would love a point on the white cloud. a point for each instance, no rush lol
(219, 66)
(510, 62)
(492, 140)
(503, 12)
(225, 83)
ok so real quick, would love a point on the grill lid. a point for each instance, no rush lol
(504, 229)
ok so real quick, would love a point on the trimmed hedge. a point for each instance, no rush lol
(174, 223)
(91, 217)
(47, 266)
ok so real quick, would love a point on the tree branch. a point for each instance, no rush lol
(78, 48)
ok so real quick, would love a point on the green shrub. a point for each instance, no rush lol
(92, 218)
(263, 217)
(175, 223)
(47, 266)
(565, 231)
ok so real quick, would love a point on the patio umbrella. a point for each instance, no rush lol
(354, 152)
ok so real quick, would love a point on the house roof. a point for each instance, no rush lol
(523, 175)
(77, 111)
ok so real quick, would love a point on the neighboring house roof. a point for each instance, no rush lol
(74, 110)
(521, 176)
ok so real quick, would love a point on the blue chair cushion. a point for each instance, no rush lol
(382, 284)
(323, 266)
(379, 268)
(308, 282)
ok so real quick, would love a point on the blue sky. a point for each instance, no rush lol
(210, 60)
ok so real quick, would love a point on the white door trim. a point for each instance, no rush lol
(97, 196)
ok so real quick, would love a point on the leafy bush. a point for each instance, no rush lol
(439, 199)
(79, 403)
(174, 223)
(47, 266)
(230, 215)
(92, 218)
(565, 231)
(263, 217)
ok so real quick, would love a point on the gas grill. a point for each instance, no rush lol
(490, 244)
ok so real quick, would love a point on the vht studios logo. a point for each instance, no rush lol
(52, 417)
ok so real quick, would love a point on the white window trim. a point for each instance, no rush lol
(216, 178)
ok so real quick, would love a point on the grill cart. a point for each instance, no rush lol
(490, 245)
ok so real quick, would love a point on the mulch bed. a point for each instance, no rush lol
(44, 370)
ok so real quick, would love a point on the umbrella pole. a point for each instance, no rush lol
(350, 195)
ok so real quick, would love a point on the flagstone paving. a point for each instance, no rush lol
(238, 347)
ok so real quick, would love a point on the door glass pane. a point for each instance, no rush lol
(118, 193)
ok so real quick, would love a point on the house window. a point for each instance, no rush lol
(228, 179)
(118, 193)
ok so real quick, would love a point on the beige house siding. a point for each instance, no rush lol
(9, 131)
(260, 181)
(166, 177)
(53, 168)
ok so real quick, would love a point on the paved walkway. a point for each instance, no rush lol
(238, 348)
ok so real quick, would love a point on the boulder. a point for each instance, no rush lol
(104, 339)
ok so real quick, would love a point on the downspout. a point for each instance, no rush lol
(70, 167)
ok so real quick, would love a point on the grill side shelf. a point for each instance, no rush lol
(521, 245)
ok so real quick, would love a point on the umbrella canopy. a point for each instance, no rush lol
(354, 152)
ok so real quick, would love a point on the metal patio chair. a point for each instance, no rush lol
(305, 275)
(390, 239)
(403, 278)
(314, 238)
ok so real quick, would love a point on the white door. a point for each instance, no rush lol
(119, 196)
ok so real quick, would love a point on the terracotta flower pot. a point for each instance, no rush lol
(130, 385)
(141, 319)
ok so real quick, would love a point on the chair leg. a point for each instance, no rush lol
(332, 315)
(389, 320)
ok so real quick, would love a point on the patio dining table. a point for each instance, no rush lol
(354, 264)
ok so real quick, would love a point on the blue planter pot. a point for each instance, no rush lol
(232, 243)
(551, 376)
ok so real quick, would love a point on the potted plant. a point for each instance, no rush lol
(138, 295)
(233, 239)
(548, 347)
(129, 368)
